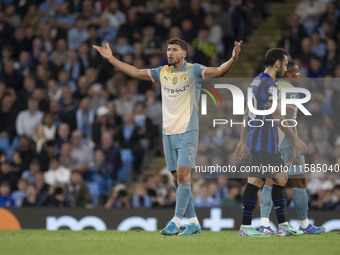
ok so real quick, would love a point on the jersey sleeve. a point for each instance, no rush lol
(199, 70)
(154, 73)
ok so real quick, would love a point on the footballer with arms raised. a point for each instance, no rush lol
(180, 119)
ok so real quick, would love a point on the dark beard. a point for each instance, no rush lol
(279, 73)
(174, 63)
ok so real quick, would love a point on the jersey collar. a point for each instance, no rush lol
(182, 70)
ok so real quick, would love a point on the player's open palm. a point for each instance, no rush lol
(106, 53)
(236, 50)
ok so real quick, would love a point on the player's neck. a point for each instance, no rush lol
(178, 67)
(271, 72)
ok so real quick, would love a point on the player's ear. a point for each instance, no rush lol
(277, 64)
(184, 54)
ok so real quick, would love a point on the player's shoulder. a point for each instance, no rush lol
(284, 84)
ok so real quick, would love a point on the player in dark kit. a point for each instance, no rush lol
(262, 142)
(295, 173)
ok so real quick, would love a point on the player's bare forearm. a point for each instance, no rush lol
(244, 127)
(214, 72)
(287, 130)
(241, 149)
(130, 70)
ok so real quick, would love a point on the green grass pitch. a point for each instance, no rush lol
(26, 242)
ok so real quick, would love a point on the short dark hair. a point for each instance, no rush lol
(290, 66)
(179, 42)
(274, 54)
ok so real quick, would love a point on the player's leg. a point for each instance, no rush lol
(300, 199)
(186, 161)
(190, 211)
(279, 202)
(171, 162)
(249, 200)
(266, 204)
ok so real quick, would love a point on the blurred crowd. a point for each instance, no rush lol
(75, 132)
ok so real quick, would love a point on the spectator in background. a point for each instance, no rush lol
(119, 198)
(42, 189)
(318, 47)
(309, 12)
(66, 159)
(68, 107)
(85, 118)
(74, 68)
(59, 197)
(11, 15)
(101, 124)
(20, 194)
(6, 200)
(38, 139)
(11, 76)
(48, 152)
(31, 198)
(65, 20)
(111, 151)
(106, 31)
(114, 14)
(124, 102)
(25, 93)
(53, 91)
(78, 191)
(93, 39)
(20, 43)
(77, 35)
(29, 174)
(82, 88)
(50, 128)
(57, 173)
(60, 52)
(140, 197)
(81, 152)
(129, 137)
(287, 42)
(7, 176)
(97, 96)
(8, 114)
(17, 164)
(152, 191)
(102, 175)
(306, 52)
(63, 135)
(28, 119)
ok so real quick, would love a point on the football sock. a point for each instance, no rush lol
(279, 201)
(266, 204)
(304, 223)
(193, 220)
(183, 195)
(190, 211)
(177, 221)
(249, 201)
(300, 200)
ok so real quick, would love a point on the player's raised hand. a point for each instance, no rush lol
(241, 151)
(236, 50)
(106, 53)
